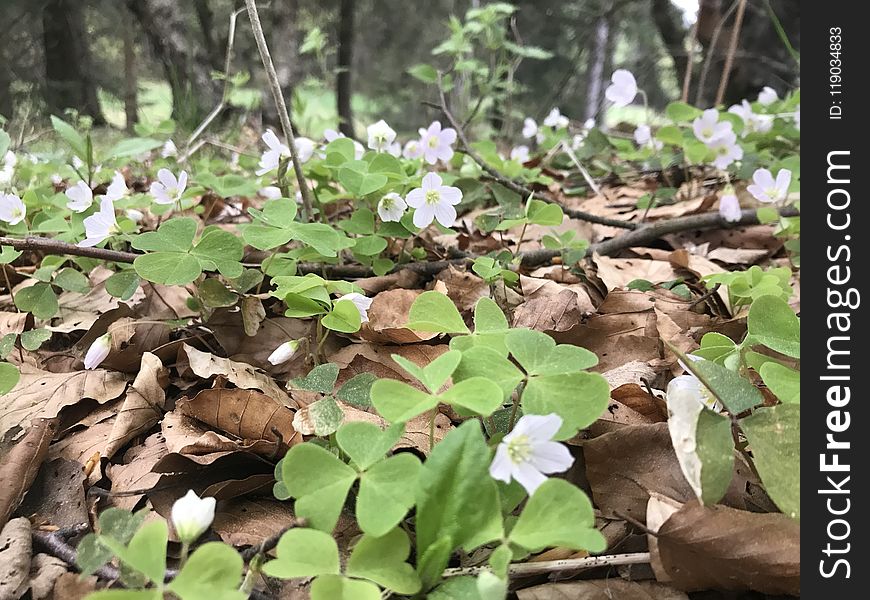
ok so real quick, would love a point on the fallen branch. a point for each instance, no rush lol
(637, 237)
(278, 96)
(555, 566)
(513, 185)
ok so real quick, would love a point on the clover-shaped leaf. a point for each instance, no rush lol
(304, 553)
(383, 560)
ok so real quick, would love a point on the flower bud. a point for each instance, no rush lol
(284, 352)
(191, 516)
(98, 351)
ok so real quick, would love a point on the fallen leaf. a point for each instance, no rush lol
(619, 272)
(463, 287)
(15, 549)
(57, 495)
(80, 311)
(388, 315)
(22, 463)
(249, 521)
(702, 547)
(43, 394)
(142, 407)
(559, 312)
(45, 570)
(134, 476)
(602, 589)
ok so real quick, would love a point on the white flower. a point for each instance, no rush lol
(797, 117)
(12, 209)
(100, 225)
(577, 141)
(191, 516)
(118, 188)
(588, 124)
(729, 208)
(98, 351)
(168, 149)
(437, 143)
(530, 128)
(332, 135)
(271, 157)
(709, 128)
(381, 136)
(767, 96)
(765, 189)
(77, 163)
(556, 119)
(727, 150)
(643, 137)
(623, 88)
(304, 148)
(391, 207)
(686, 398)
(752, 122)
(134, 215)
(528, 453)
(270, 192)
(168, 189)
(413, 149)
(8, 170)
(80, 197)
(434, 201)
(284, 352)
(520, 154)
(361, 303)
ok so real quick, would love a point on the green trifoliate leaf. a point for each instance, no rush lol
(383, 560)
(386, 493)
(434, 312)
(319, 481)
(343, 317)
(774, 438)
(304, 553)
(336, 587)
(773, 323)
(214, 570)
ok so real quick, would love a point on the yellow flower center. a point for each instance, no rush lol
(433, 197)
(519, 449)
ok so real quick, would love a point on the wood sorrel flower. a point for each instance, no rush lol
(101, 224)
(729, 208)
(528, 453)
(381, 136)
(191, 516)
(284, 352)
(727, 150)
(643, 137)
(118, 188)
(362, 304)
(98, 351)
(623, 88)
(12, 209)
(556, 119)
(391, 207)
(168, 189)
(520, 154)
(434, 201)
(709, 128)
(80, 197)
(437, 143)
(765, 189)
(767, 96)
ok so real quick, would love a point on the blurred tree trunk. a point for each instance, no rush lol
(131, 106)
(185, 66)
(7, 108)
(597, 63)
(669, 22)
(284, 46)
(345, 65)
(68, 80)
(205, 16)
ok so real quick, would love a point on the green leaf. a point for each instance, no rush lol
(773, 323)
(151, 594)
(386, 493)
(175, 235)
(767, 214)
(304, 553)
(383, 560)
(361, 222)
(357, 391)
(325, 415)
(435, 312)
(168, 268)
(370, 245)
(431, 564)
(774, 439)
(782, 381)
(733, 391)
(343, 317)
(9, 376)
(115, 523)
(122, 284)
(398, 402)
(538, 353)
(33, 339)
(481, 361)
(38, 299)
(319, 481)
(423, 72)
(456, 497)
(366, 443)
(437, 372)
(342, 146)
(71, 280)
(220, 250)
(133, 147)
(681, 112)
(319, 379)
(215, 294)
(146, 551)
(336, 587)
(715, 449)
(579, 398)
(558, 514)
(72, 137)
(544, 213)
(214, 570)
(696, 151)
(478, 395)
(355, 177)
(670, 135)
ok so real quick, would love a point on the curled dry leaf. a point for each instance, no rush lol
(556, 312)
(240, 374)
(387, 316)
(463, 287)
(255, 350)
(612, 588)
(188, 436)
(134, 474)
(43, 394)
(702, 547)
(142, 407)
(244, 414)
(249, 521)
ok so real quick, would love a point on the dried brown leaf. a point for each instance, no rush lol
(602, 589)
(142, 407)
(387, 318)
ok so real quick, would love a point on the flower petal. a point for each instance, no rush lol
(501, 467)
(528, 477)
(416, 198)
(445, 214)
(551, 457)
